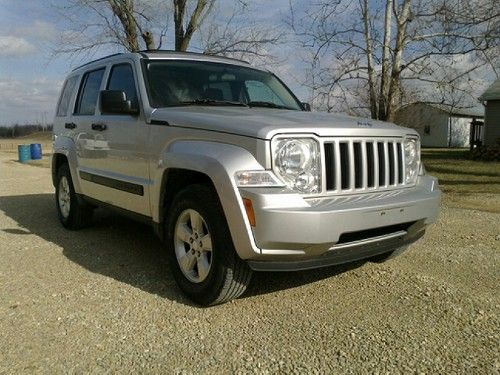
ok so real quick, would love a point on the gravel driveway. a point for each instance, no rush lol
(102, 300)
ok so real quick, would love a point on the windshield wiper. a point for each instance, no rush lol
(267, 105)
(213, 102)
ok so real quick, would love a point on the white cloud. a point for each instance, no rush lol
(13, 46)
(23, 101)
(38, 30)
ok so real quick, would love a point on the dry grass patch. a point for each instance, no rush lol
(466, 183)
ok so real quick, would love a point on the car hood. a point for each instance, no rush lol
(264, 123)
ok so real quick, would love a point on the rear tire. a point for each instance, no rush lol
(73, 212)
(200, 250)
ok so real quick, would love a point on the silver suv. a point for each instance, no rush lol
(233, 172)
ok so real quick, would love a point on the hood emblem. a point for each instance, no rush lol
(365, 124)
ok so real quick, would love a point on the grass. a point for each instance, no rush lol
(466, 183)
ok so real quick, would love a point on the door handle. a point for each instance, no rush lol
(70, 125)
(99, 127)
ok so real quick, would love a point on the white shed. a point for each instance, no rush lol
(439, 125)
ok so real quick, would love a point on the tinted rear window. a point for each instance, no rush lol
(62, 108)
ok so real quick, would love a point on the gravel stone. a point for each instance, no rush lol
(102, 300)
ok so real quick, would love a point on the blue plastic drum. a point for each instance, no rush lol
(36, 151)
(24, 152)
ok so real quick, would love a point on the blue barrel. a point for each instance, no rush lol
(36, 151)
(24, 152)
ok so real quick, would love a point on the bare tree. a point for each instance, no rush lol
(423, 45)
(130, 24)
(142, 24)
(240, 38)
(184, 33)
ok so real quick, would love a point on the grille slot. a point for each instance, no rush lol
(381, 164)
(358, 166)
(392, 171)
(344, 166)
(363, 164)
(370, 164)
(400, 163)
(330, 166)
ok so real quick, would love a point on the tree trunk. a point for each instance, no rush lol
(183, 37)
(179, 9)
(395, 82)
(124, 10)
(148, 38)
(384, 79)
(372, 80)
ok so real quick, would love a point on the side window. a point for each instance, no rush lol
(122, 78)
(62, 108)
(89, 92)
(260, 92)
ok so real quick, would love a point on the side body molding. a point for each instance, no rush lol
(66, 146)
(220, 162)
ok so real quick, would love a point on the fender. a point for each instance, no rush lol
(67, 147)
(220, 162)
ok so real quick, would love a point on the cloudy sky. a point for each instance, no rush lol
(31, 76)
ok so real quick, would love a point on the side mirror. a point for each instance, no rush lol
(114, 102)
(306, 107)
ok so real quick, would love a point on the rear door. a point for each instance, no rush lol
(119, 172)
(80, 122)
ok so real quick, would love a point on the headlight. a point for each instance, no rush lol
(412, 159)
(297, 162)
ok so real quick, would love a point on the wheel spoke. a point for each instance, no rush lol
(203, 266)
(206, 242)
(183, 232)
(187, 261)
(196, 221)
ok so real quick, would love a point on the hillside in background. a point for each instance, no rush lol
(30, 131)
(45, 136)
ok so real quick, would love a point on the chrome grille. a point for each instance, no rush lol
(353, 165)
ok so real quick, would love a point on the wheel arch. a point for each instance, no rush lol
(173, 181)
(58, 159)
(212, 163)
(65, 152)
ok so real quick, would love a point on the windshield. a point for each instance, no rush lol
(177, 82)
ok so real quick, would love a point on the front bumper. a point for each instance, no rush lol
(326, 231)
(344, 254)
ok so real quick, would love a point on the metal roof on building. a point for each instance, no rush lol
(492, 93)
(477, 112)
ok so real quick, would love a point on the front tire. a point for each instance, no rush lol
(72, 212)
(200, 250)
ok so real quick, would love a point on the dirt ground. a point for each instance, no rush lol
(102, 300)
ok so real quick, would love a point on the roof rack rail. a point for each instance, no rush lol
(143, 53)
(93, 61)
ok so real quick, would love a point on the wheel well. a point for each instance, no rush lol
(57, 161)
(173, 181)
